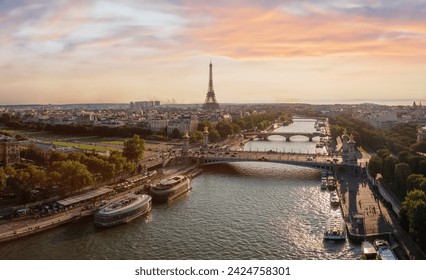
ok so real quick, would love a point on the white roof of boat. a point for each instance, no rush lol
(172, 180)
(124, 203)
(386, 254)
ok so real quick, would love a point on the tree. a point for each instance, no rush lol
(72, 174)
(402, 171)
(176, 133)
(224, 129)
(196, 136)
(383, 153)
(236, 128)
(375, 165)
(134, 148)
(38, 176)
(118, 161)
(404, 156)
(214, 136)
(388, 169)
(57, 156)
(416, 181)
(418, 223)
(336, 131)
(413, 216)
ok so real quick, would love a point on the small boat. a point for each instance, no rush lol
(123, 210)
(384, 252)
(331, 183)
(334, 199)
(335, 228)
(169, 189)
(323, 183)
(368, 252)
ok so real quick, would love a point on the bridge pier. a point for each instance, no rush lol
(310, 138)
(287, 139)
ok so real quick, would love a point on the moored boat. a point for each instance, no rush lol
(335, 229)
(323, 183)
(368, 252)
(331, 183)
(384, 252)
(123, 210)
(334, 199)
(169, 189)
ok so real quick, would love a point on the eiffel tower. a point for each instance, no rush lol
(210, 102)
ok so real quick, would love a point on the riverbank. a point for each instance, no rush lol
(18, 227)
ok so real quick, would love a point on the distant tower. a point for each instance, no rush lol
(206, 137)
(211, 102)
(185, 146)
(348, 149)
(345, 148)
(351, 149)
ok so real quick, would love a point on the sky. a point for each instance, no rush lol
(270, 51)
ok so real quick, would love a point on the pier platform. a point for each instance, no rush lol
(365, 215)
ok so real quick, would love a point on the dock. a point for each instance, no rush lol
(365, 215)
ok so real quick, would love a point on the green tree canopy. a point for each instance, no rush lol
(58, 156)
(176, 134)
(413, 216)
(196, 136)
(134, 148)
(72, 174)
(416, 181)
(224, 129)
(402, 171)
(375, 165)
(214, 136)
(383, 153)
(388, 169)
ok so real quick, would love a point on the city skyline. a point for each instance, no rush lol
(263, 51)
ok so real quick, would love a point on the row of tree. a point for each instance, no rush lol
(403, 173)
(69, 172)
(222, 130)
(399, 138)
(75, 129)
(216, 133)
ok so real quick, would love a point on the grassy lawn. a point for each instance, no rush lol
(115, 142)
(84, 146)
(11, 131)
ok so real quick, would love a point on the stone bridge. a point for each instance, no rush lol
(287, 135)
(321, 162)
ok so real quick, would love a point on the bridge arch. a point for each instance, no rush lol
(323, 166)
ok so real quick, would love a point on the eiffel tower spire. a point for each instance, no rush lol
(210, 102)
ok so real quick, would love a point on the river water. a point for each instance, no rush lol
(234, 211)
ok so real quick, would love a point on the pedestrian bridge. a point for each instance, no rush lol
(287, 135)
(306, 160)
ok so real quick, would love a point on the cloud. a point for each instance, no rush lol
(111, 46)
(258, 32)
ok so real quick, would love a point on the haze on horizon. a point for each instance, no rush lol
(91, 51)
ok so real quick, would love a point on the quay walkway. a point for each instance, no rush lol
(365, 215)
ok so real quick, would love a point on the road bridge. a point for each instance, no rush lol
(287, 135)
(322, 162)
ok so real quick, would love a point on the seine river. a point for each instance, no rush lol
(234, 211)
